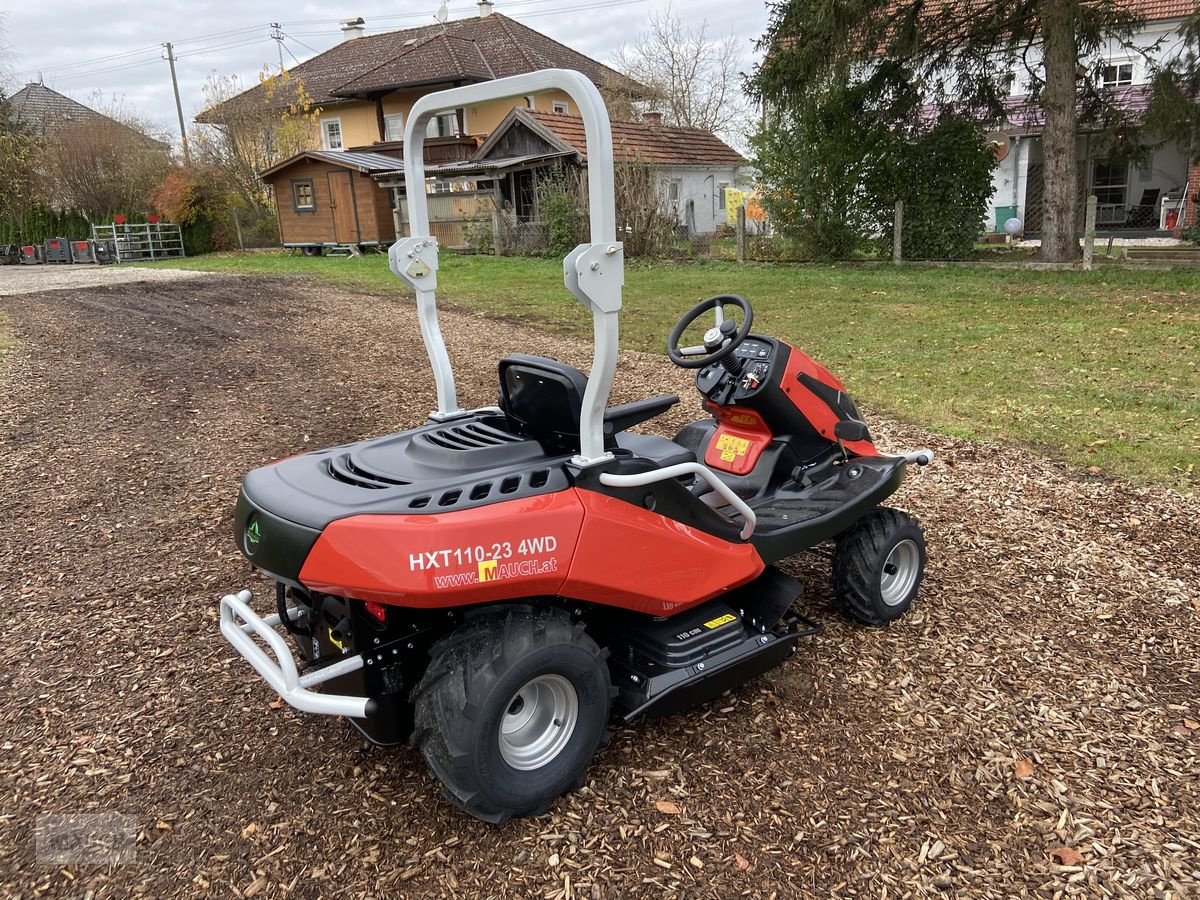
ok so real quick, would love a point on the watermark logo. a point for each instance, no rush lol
(107, 839)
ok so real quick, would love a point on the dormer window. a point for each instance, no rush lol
(443, 125)
(1116, 75)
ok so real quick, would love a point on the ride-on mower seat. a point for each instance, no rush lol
(654, 447)
(542, 398)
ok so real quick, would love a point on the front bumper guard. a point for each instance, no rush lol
(240, 624)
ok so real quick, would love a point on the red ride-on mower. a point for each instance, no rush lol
(493, 583)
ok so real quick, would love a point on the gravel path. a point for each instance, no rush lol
(1032, 728)
(18, 280)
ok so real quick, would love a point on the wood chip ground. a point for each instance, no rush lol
(1029, 730)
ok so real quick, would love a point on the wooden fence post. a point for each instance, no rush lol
(1089, 234)
(897, 234)
(495, 230)
(237, 224)
(741, 234)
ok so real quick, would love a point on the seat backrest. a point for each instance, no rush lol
(542, 398)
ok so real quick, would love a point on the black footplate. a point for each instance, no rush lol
(669, 665)
(803, 514)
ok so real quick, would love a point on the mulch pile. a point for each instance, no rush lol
(1032, 728)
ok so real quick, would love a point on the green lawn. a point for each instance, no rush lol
(1098, 368)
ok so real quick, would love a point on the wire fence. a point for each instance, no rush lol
(959, 233)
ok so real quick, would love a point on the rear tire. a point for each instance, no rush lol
(511, 711)
(878, 566)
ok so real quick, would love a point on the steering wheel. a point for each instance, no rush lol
(719, 341)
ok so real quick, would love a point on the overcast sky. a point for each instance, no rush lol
(115, 48)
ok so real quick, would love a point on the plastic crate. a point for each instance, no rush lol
(81, 252)
(56, 250)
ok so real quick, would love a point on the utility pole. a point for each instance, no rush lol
(187, 156)
(277, 37)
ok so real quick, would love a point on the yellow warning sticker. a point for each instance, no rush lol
(731, 447)
(720, 620)
(728, 442)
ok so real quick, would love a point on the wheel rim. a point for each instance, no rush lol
(538, 722)
(900, 572)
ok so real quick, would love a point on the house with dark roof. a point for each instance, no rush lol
(692, 168)
(45, 112)
(365, 88)
(366, 85)
(1154, 194)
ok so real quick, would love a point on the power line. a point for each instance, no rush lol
(229, 46)
(218, 34)
(301, 43)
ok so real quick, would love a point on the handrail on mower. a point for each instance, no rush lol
(593, 272)
(641, 479)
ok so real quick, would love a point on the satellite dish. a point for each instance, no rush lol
(1000, 144)
(443, 14)
(1014, 226)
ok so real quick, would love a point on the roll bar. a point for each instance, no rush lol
(594, 272)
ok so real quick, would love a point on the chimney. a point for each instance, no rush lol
(652, 118)
(353, 28)
(485, 8)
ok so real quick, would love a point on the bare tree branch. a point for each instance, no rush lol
(693, 78)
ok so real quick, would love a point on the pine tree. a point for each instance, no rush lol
(961, 55)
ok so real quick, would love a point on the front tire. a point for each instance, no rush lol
(878, 566)
(511, 711)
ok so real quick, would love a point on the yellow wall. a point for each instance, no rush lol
(360, 125)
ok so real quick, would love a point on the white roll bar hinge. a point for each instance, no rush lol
(415, 260)
(595, 274)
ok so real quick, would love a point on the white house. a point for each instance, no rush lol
(1133, 198)
(692, 167)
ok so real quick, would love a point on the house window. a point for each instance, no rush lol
(441, 187)
(1109, 184)
(303, 198)
(562, 107)
(443, 125)
(393, 127)
(1116, 75)
(331, 133)
(673, 187)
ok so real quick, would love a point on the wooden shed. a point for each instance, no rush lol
(327, 198)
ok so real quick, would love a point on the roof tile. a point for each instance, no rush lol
(648, 142)
(478, 48)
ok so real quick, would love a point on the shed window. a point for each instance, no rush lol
(1116, 75)
(393, 127)
(331, 133)
(302, 194)
(562, 107)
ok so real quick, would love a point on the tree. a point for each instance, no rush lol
(960, 56)
(102, 164)
(816, 162)
(17, 149)
(17, 164)
(692, 78)
(249, 131)
(1174, 111)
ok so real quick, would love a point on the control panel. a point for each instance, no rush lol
(754, 349)
(754, 356)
